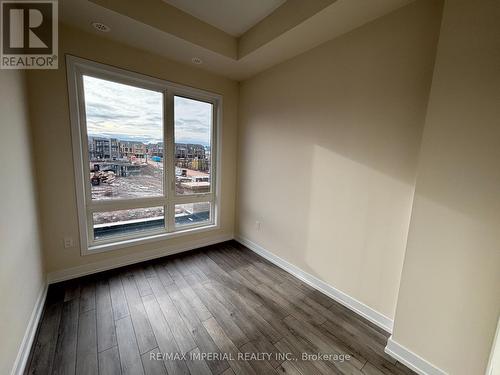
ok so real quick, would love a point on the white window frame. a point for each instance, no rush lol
(78, 67)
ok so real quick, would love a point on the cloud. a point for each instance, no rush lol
(193, 121)
(131, 113)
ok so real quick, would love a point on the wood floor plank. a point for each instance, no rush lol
(218, 259)
(260, 300)
(183, 306)
(299, 346)
(163, 334)
(344, 315)
(196, 365)
(258, 275)
(274, 319)
(207, 265)
(177, 326)
(403, 369)
(191, 262)
(272, 272)
(87, 295)
(249, 255)
(71, 290)
(223, 316)
(232, 258)
(130, 358)
(141, 282)
(358, 342)
(246, 256)
(303, 307)
(246, 275)
(362, 339)
(265, 346)
(254, 325)
(86, 352)
(377, 332)
(173, 269)
(149, 269)
(152, 364)
(65, 355)
(226, 345)
(310, 292)
(303, 298)
(303, 367)
(109, 362)
(325, 344)
(210, 286)
(260, 365)
(386, 369)
(286, 368)
(207, 345)
(118, 300)
(287, 304)
(162, 274)
(193, 323)
(216, 300)
(198, 258)
(370, 369)
(42, 358)
(247, 292)
(182, 266)
(184, 287)
(106, 334)
(144, 334)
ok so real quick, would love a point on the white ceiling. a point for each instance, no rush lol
(336, 19)
(232, 16)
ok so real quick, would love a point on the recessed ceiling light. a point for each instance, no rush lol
(101, 27)
(197, 60)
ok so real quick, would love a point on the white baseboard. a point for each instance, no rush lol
(108, 264)
(358, 307)
(29, 335)
(411, 360)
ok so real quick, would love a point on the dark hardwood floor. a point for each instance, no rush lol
(211, 305)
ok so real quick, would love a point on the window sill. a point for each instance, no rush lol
(120, 244)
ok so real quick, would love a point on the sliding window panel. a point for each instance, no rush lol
(193, 129)
(127, 223)
(124, 127)
(192, 214)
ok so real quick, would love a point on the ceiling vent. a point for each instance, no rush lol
(101, 27)
(196, 60)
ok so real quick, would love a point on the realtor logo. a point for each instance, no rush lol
(29, 35)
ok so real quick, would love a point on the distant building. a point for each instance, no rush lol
(191, 156)
(103, 148)
(155, 149)
(187, 155)
(129, 149)
(189, 151)
(200, 164)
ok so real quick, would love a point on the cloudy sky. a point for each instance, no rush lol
(130, 113)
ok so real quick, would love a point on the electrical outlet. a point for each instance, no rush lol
(257, 225)
(68, 242)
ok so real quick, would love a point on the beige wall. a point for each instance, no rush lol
(51, 127)
(449, 298)
(328, 145)
(21, 268)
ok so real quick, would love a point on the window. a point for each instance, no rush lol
(145, 156)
